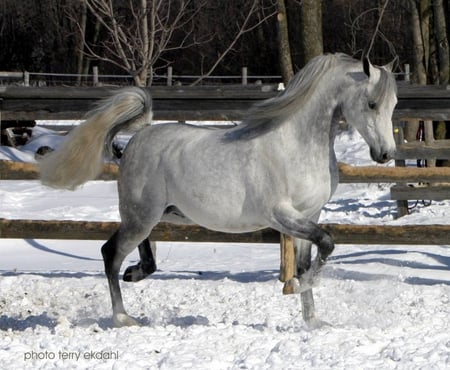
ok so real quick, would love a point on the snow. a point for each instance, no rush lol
(219, 306)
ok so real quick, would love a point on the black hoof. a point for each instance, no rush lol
(137, 272)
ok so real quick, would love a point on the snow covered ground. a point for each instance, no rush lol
(219, 306)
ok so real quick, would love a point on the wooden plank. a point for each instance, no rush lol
(376, 174)
(440, 149)
(410, 91)
(169, 103)
(389, 234)
(170, 109)
(11, 74)
(441, 113)
(341, 233)
(85, 230)
(10, 170)
(192, 102)
(252, 92)
(406, 92)
(187, 110)
(431, 192)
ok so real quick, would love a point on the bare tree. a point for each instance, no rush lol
(246, 26)
(284, 48)
(311, 29)
(139, 33)
(419, 56)
(82, 26)
(441, 41)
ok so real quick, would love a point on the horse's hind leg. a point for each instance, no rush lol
(146, 265)
(114, 252)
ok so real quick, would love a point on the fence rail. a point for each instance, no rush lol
(341, 233)
(10, 170)
(193, 102)
(97, 79)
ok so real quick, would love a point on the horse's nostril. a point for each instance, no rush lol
(385, 157)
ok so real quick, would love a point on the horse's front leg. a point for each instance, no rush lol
(303, 264)
(290, 221)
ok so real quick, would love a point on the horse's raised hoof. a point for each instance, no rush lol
(137, 272)
(292, 286)
(297, 285)
(122, 319)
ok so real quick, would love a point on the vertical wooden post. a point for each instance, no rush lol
(402, 205)
(26, 78)
(429, 141)
(95, 75)
(287, 261)
(169, 75)
(407, 73)
(244, 76)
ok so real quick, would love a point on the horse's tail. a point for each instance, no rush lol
(80, 157)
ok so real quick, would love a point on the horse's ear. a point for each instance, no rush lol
(391, 65)
(366, 66)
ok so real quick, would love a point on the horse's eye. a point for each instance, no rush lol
(372, 105)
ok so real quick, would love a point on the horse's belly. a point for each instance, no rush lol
(220, 213)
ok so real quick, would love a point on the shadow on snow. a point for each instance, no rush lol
(381, 257)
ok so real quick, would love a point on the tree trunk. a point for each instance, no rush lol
(441, 41)
(419, 70)
(284, 48)
(425, 16)
(80, 58)
(87, 63)
(311, 29)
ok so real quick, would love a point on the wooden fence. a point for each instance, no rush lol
(343, 234)
(180, 103)
(230, 103)
(28, 78)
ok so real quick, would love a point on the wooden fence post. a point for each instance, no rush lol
(169, 75)
(402, 205)
(244, 76)
(95, 76)
(429, 140)
(26, 78)
(407, 73)
(287, 261)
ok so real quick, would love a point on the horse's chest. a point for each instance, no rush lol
(312, 191)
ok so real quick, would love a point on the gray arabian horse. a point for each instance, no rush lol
(276, 169)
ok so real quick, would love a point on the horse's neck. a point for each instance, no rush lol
(316, 123)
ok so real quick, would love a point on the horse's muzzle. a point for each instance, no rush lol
(382, 156)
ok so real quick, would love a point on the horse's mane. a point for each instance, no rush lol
(265, 116)
(385, 84)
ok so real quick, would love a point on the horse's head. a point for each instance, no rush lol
(368, 103)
